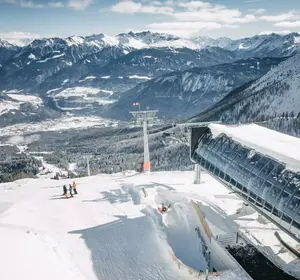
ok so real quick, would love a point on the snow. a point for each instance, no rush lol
(13, 91)
(88, 78)
(242, 47)
(275, 93)
(77, 91)
(50, 58)
(49, 170)
(140, 77)
(6, 43)
(111, 41)
(83, 97)
(108, 231)
(181, 43)
(61, 124)
(6, 106)
(297, 40)
(134, 43)
(26, 98)
(53, 90)
(32, 56)
(75, 40)
(280, 146)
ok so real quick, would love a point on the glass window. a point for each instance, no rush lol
(296, 224)
(294, 207)
(286, 219)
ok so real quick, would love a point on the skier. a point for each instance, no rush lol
(163, 208)
(71, 190)
(65, 190)
(75, 188)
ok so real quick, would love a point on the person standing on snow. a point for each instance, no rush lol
(75, 187)
(71, 190)
(65, 190)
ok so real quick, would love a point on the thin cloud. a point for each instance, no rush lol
(19, 38)
(79, 4)
(130, 7)
(56, 4)
(257, 11)
(8, 1)
(187, 17)
(280, 17)
(251, 1)
(195, 5)
(279, 32)
(186, 29)
(192, 11)
(30, 4)
(288, 24)
(19, 35)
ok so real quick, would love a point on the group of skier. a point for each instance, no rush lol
(72, 188)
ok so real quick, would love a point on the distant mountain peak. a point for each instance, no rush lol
(5, 44)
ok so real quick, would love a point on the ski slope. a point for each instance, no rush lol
(108, 231)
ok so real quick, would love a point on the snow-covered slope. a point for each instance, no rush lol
(5, 44)
(155, 62)
(62, 124)
(12, 101)
(275, 93)
(111, 231)
(18, 107)
(7, 50)
(187, 92)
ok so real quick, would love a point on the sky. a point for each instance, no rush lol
(214, 18)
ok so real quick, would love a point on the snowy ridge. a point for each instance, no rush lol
(5, 44)
(273, 94)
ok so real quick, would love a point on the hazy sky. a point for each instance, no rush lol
(215, 18)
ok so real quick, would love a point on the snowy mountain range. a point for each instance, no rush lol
(78, 72)
(273, 95)
(186, 93)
